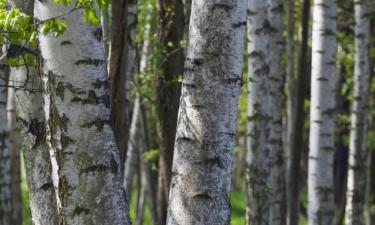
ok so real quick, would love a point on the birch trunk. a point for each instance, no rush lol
(85, 158)
(202, 164)
(5, 154)
(259, 114)
(320, 175)
(168, 89)
(14, 156)
(357, 145)
(296, 121)
(277, 193)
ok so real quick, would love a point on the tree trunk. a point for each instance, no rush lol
(259, 114)
(168, 89)
(275, 139)
(202, 165)
(5, 154)
(120, 63)
(85, 158)
(295, 139)
(320, 177)
(355, 196)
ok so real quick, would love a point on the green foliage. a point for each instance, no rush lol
(54, 27)
(152, 156)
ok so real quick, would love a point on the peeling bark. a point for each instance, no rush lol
(202, 164)
(85, 158)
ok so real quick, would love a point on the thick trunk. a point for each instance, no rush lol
(30, 137)
(295, 137)
(85, 158)
(320, 177)
(259, 114)
(168, 89)
(277, 193)
(5, 155)
(202, 165)
(355, 196)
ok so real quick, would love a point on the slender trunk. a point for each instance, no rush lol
(168, 89)
(118, 79)
(320, 177)
(85, 158)
(275, 140)
(355, 196)
(297, 122)
(5, 154)
(14, 155)
(202, 164)
(259, 114)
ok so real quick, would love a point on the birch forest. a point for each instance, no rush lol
(187, 112)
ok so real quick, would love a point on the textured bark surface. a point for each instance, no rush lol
(277, 192)
(202, 164)
(5, 154)
(259, 114)
(85, 158)
(296, 121)
(320, 177)
(168, 89)
(31, 125)
(355, 197)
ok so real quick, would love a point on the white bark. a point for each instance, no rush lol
(357, 146)
(31, 125)
(277, 192)
(5, 155)
(259, 114)
(320, 175)
(85, 158)
(202, 164)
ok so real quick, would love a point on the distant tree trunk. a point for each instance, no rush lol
(202, 165)
(85, 158)
(15, 156)
(259, 114)
(119, 68)
(320, 177)
(355, 197)
(296, 122)
(275, 140)
(5, 154)
(370, 190)
(168, 89)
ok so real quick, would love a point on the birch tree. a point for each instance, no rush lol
(259, 117)
(357, 145)
(202, 164)
(5, 155)
(320, 175)
(277, 193)
(84, 155)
